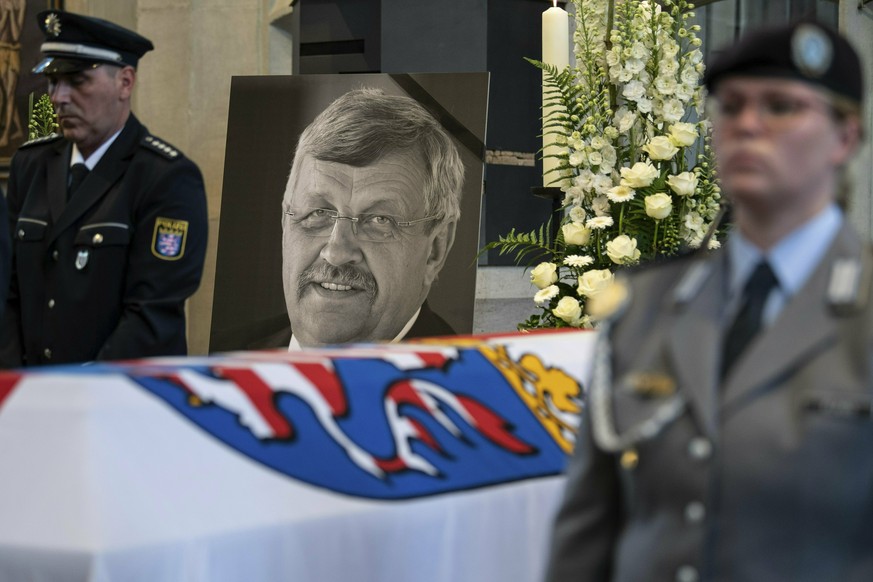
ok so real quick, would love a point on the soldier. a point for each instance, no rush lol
(108, 221)
(728, 427)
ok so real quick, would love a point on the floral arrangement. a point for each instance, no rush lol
(634, 163)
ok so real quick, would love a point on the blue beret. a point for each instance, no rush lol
(74, 42)
(804, 51)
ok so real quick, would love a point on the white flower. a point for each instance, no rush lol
(625, 119)
(576, 158)
(599, 222)
(694, 222)
(714, 244)
(609, 157)
(602, 184)
(575, 233)
(573, 195)
(622, 250)
(683, 134)
(595, 159)
(665, 85)
(578, 261)
(642, 174)
(660, 148)
(598, 142)
(683, 184)
(577, 214)
(594, 281)
(659, 206)
(634, 66)
(611, 133)
(639, 51)
(673, 110)
(600, 205)
(569, 310)
(547, 294)
(585, 180)
(689, 76)
(544, 275)
(620, 194)
(644, 105)
(634, 90)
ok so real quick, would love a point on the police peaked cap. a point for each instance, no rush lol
(804, 51)
(74, 42)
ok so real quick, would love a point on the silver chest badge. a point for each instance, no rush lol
(82, 259)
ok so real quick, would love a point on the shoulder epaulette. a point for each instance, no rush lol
(161, 147)
(42, 140)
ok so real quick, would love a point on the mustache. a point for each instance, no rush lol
(342, 275)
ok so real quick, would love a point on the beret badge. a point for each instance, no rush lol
(811, 50)
(53, 24)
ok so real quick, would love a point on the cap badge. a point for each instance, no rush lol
(811, 50)
(53, 24)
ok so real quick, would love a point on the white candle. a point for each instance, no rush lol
(556, 51)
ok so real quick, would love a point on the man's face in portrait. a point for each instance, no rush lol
(357, 280)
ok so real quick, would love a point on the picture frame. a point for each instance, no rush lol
(266, 116)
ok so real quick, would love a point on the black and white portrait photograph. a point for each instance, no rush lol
(350, 209)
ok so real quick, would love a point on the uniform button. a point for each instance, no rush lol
(695, 512)
(47, 353)
(98, 238)
(700, 448)
(51, 303)
(21, 234)
(55, 255)
(687, 574)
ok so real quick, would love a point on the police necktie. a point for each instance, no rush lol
(78, 172)
(748, 320)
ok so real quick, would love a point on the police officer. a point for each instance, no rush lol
(108, 221)
(728, 429)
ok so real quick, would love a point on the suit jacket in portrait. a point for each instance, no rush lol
(765, 476)
(105, 275)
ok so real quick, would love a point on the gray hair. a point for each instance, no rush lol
(364, 125)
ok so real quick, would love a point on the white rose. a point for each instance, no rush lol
(545, 295)
(659, 206)
(569, 310)
(544, 275)
(642, 174)
(683, 134)
(575, 233)
(593, 282)
(683, 184)
(622, 250)
(660, 148)
(620, 194)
